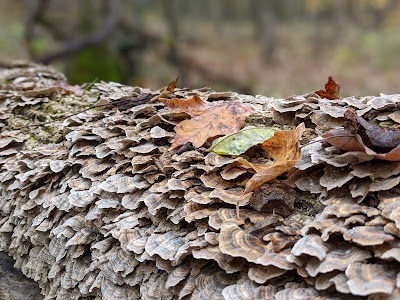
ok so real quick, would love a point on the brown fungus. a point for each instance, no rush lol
(369, 279)
(275, 198)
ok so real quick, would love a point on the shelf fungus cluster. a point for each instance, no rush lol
(112, 213)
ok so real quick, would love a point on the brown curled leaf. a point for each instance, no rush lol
(283, 147)
(359, 135)
(344, 140)
(378, 138)
(192, 106)
(172, 85)
(331, 90)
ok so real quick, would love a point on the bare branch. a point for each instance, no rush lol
(141, 32)
(34, 18)
(114, 6)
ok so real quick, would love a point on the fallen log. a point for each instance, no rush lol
(96, 206)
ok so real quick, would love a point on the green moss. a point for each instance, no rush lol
(41, 118)
(51, 114)
(60, 138)
(46, 108)
(32, 136)
(49, 129)
(308, 204)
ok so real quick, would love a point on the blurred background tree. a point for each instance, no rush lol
(274, 47)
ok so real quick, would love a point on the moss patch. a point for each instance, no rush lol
(51, 113)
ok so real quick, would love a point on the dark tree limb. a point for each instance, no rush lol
(132, 30)
(186, 63)
(34, 18)
(114, 7)
(192, 65)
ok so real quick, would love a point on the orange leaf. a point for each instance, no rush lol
(331, 90)
(172, 85)
(192, 106)
(283, 147)
(221, 119)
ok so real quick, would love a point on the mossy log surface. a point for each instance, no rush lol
(97, 206)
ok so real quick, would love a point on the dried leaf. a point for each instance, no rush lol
(66, 89)
(283, 147)
(222, 119)
(241, 141)
(165, 91)
(331, 90)
(359, 135)
(192, 106)
(172, 85)
(377, 138)
(344, 140)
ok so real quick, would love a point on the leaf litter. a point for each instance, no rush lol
(283, 147)
(214, 120)
(359, 135)
(209, 121)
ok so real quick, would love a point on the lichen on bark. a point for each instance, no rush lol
(34, 101)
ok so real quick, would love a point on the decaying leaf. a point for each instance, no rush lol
(374, 137)
(172, 85)
(344, 140)
(241, 141)
(283, 147)
(65, 88)
(165, 91)
(359, 135)
(331, 90)
(221, 119)
(192, 106)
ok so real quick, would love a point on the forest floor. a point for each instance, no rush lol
(13, 284)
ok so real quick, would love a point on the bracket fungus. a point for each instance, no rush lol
(107, 209)
(274, 198)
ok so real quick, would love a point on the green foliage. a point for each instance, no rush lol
(344, 56)
(371, 40)
(39, 46)
(95, 62)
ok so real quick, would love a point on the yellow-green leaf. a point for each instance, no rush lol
(239, 142)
